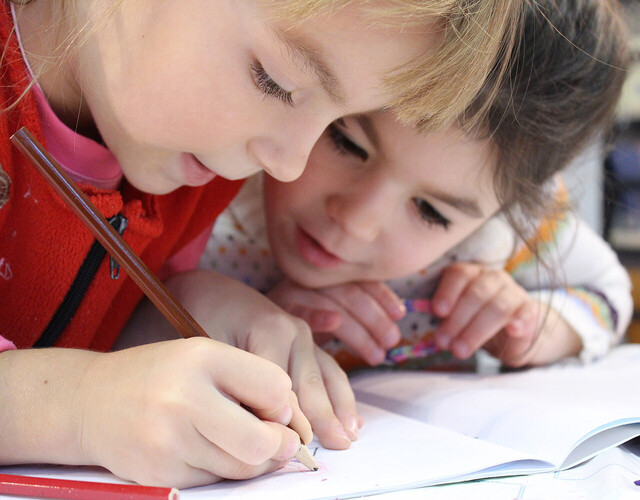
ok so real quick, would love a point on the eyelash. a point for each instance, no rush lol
(430, 214)
(267, 86)
(344, 145)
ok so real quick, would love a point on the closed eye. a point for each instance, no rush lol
(344, 145)
(268, 86)
(429, 214)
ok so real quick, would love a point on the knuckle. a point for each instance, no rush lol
(465, 269)
(284, 326)
(314, 378)
(501, 306)
(280, 383)
(351, 293)
(479, 290)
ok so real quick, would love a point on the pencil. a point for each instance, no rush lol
(304, 456)
(111, 240)
(108, 237)
(418, 305)
(43, 487)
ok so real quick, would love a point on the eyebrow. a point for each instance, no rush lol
(310, 60)
(465, 205)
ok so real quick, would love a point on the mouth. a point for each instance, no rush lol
(195, 172)
(313, 252)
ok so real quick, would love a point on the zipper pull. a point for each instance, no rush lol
(119, 223)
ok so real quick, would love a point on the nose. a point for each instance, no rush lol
(283, 153)
(360, 213)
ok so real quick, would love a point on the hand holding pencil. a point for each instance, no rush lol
(164, 413)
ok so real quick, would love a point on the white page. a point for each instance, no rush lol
(542, 412)
(611, 474)
(392, 453)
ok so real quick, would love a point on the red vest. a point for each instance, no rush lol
(43, 244)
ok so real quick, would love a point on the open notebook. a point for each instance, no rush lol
(434, 428)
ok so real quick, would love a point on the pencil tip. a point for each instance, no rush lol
(304, 456)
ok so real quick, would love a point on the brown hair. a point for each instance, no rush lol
(562, 86)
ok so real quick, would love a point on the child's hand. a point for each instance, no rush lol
(167, 413)
(240, 316)
(362, 315)
(173, 409)
(482, 307)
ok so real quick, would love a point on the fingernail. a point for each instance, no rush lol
(392, 337)
(398, 308)
(515, 326)
(285, 415)
(377, 357)
(440, 307)
(339, 431)
(442, 339)
(460, 349)
(353, 427)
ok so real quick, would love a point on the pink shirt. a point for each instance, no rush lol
(6, 345)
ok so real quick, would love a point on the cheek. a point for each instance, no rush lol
(410, 253)
(403, 260)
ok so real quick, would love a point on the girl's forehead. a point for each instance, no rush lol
(449, 161)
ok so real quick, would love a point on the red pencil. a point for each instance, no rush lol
(43, 487)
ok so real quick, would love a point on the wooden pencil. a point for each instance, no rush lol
(44, 487)
(113, 242)
(108, 237)
(304, 456)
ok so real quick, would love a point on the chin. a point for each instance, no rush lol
(317, 279)
(157, 188)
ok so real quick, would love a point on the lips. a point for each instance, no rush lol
(195, 173)
(313, 252)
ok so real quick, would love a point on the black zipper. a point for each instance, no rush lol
(79, 287)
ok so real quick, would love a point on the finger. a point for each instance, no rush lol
(203, 455)
(340, 393)
(517, 350)
(524, 322)
(309, 386)
(471, 300)
(299, 422)
(273, 335)
(353, 335)
(319, 320)
(453, 282)
(367, 311)
(241, 434)
(253, 381)
(386, 297)
(488, 321)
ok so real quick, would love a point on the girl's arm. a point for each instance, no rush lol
(165, 414)
(584, 283)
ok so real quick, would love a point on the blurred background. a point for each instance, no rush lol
(605, 181)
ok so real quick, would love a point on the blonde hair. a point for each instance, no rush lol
(477, 37)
